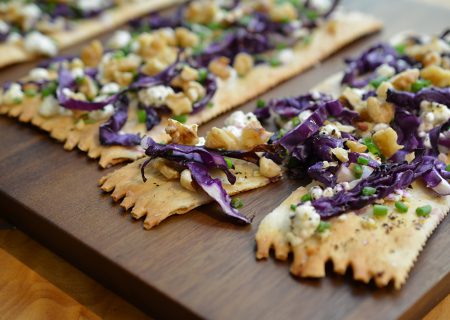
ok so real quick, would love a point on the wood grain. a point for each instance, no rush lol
(198, 264)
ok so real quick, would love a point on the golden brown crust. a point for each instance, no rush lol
(384, 251)
(230, 94)
(85, 29)
(159, 198)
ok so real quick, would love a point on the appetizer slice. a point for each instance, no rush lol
(379, 163)
(174, 67)
(191, 171)
(29, 29)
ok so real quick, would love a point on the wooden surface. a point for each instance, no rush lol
(198, 264)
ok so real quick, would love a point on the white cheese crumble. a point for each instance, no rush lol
(238, 120)
(104, 113)
(120, 39)
(4, 28)
(432, 115)
(385, 70)
(77, 73)
(330, 130)
(155, 96)
(91, 5)
(14, 37)
(49, 107)
(36, 42)
(286, 55)
(39, 74)
(31, 14)
(13, 95)
(304, 222)
(110, 88)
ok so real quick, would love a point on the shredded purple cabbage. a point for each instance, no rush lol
(411, 101)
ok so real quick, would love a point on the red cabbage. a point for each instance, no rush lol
(411, 101)
(323, 174)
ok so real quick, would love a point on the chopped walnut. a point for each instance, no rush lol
(76, 63)
(253, 136)
(189, 74)
(186, 38)
(182, 133)
(332, 26)
(355, 146)
(194, 90)
(405, 79)
(380, 112)
(386, 140)
(283, 12)
(432, 58)
(163, 166)
(438, 76)
(354, 99)
(383, 89)
(243, 63)
(268, 168)
(221, 139)
(92, 54)
(186, 180)
(219, 67)
(153, 66)
(202, 12)
(179, 103)
(88, 87)
(340, 153)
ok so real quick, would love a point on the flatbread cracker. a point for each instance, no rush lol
(11, 53)
(231, 93)
(159, 198)
(383, 249)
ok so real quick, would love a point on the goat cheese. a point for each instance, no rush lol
(120, 39)
(38, 74)
(304, 222)
(155, 96)
(13, 95)
(36, 42)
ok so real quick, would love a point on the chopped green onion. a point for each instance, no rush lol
(30, 92)
(142, 116)
(363, 161)
(368, 191)
(230, 164)
(400, 48)
(281, 133)
(380, 210)
(306, 197)
(419, 85)
(89, 121)
(181, 118)
(295, 121)
(17, 100)
(202, 75)
(237, 203)
(281, 46)
(307, 39)
(274, 62)
(293, 207)
(357, 171)
(119, 54)
(260, 103)
(371, 146)
(323, 226)
(210, 105)
(79, 80)
(447, 168)
(377, 81)
(401, 207)
(311, 14)
(49, 89)
(214, 26)
(423, 211)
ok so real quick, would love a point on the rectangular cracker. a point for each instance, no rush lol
(383, 252)
(158, 198)
(230, 94)
(88, 28)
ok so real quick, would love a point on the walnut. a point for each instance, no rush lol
(253, 136)
(186, 180)
(189, 74)
(202, 12)
(88, 87)
(186, 38)
(354, 99)
(243, 63)
(432, 58)
(386, 140)
(221, 139)
(219, 67)
(153, 66)
(355, 146)
(123, 78)
(332, 26)
(437, 75)
(181, 133)
(380, 112)
(163, 166)
(194, 90)
(92, 54)
(405, 79)
(283, 12)
(340, 153)
(268, 168)
(383, 89)
(179, 103)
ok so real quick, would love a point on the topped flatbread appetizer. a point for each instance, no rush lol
(204, 60)
(29, 29)
(379, 160)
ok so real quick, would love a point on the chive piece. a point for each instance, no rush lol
(306, 197)
(295, 121)
(323, 226)
(119, 54)
(281, 133)
(363, 161)
(210, 105)
(281, 46)
(237, 203)
(371, 146)
(274, 62)
(377, 81)
(230, 164)
(260, 103)
(79, 80)
(30, 92)
(380, 210)
(202, 75)
(293, 207)
(49, 89)
(311, 15)
(181, 118)
(89, 121)
(401, 207)
(142, 116)
(447, 168)
(214, 26)
(419, 85)
(357, 171)
(17, 100)
(368, 191)
(307, 39)
(423, 211)
(400, 48)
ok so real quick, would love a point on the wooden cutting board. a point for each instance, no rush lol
(199, 264)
